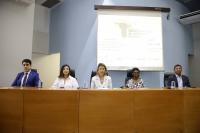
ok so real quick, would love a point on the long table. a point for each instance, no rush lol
(30, 110)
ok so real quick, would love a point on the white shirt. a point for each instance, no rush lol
(180, 81)
(70, 83)
(24, 77)
(106, 84)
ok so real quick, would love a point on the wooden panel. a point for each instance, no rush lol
(105, 111)
(158, 111)
(192, 111)
(99, 111)
(50, 111)
(11, 108)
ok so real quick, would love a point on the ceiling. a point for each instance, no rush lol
(39, 1)
(48, 3)
(192, 5)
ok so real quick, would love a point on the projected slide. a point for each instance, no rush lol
(130, 39)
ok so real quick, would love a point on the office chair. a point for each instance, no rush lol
(93, 73)
(34, 70)
(166, 77)
(128, 76)
(40, 83)
(72, 73)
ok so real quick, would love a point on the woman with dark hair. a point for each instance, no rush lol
(64, 79)
(101, 80)
(135, 81)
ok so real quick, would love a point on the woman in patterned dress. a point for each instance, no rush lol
(135, 81)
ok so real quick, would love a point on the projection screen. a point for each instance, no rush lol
(127, 39)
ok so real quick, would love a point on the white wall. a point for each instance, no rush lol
(73, 33)
(47, 66)
(16, 35)
(41, 30)
(195, 59)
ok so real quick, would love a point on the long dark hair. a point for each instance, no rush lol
(61, 75)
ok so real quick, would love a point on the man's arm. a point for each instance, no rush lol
(16, 79)
(36, 81)
(187, 82)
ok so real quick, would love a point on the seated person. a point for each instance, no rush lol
(180, 80)
(101, 80)
(28, 77)
(135, 81)
(64, 79)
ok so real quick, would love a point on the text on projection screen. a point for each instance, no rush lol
(128, 39)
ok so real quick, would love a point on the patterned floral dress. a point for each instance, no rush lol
(135, 83)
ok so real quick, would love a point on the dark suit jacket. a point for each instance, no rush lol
(32, 81)
(186, 82)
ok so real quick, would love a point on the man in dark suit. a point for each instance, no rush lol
(180, 80)
(28, 77)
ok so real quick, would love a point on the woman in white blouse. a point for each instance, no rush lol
(64, 79)
(101, 80)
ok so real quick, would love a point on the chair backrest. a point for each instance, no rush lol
(166, 77)
(34, 70)
(93, 73)
(72, 73)
(128, 76)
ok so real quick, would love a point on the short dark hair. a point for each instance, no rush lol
(177, 66)
(61, 75)
(26, 61)
(135, 68)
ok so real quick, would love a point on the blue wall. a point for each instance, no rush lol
(73, 33)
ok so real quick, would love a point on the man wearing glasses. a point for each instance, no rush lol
(27, 78)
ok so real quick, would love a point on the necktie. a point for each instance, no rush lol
(24, 80)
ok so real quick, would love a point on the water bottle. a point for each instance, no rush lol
(173, 84)
(39, 84)
(84, 85)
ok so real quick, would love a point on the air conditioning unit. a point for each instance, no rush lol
(190, 18)
(51, 3)
(27, 2)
